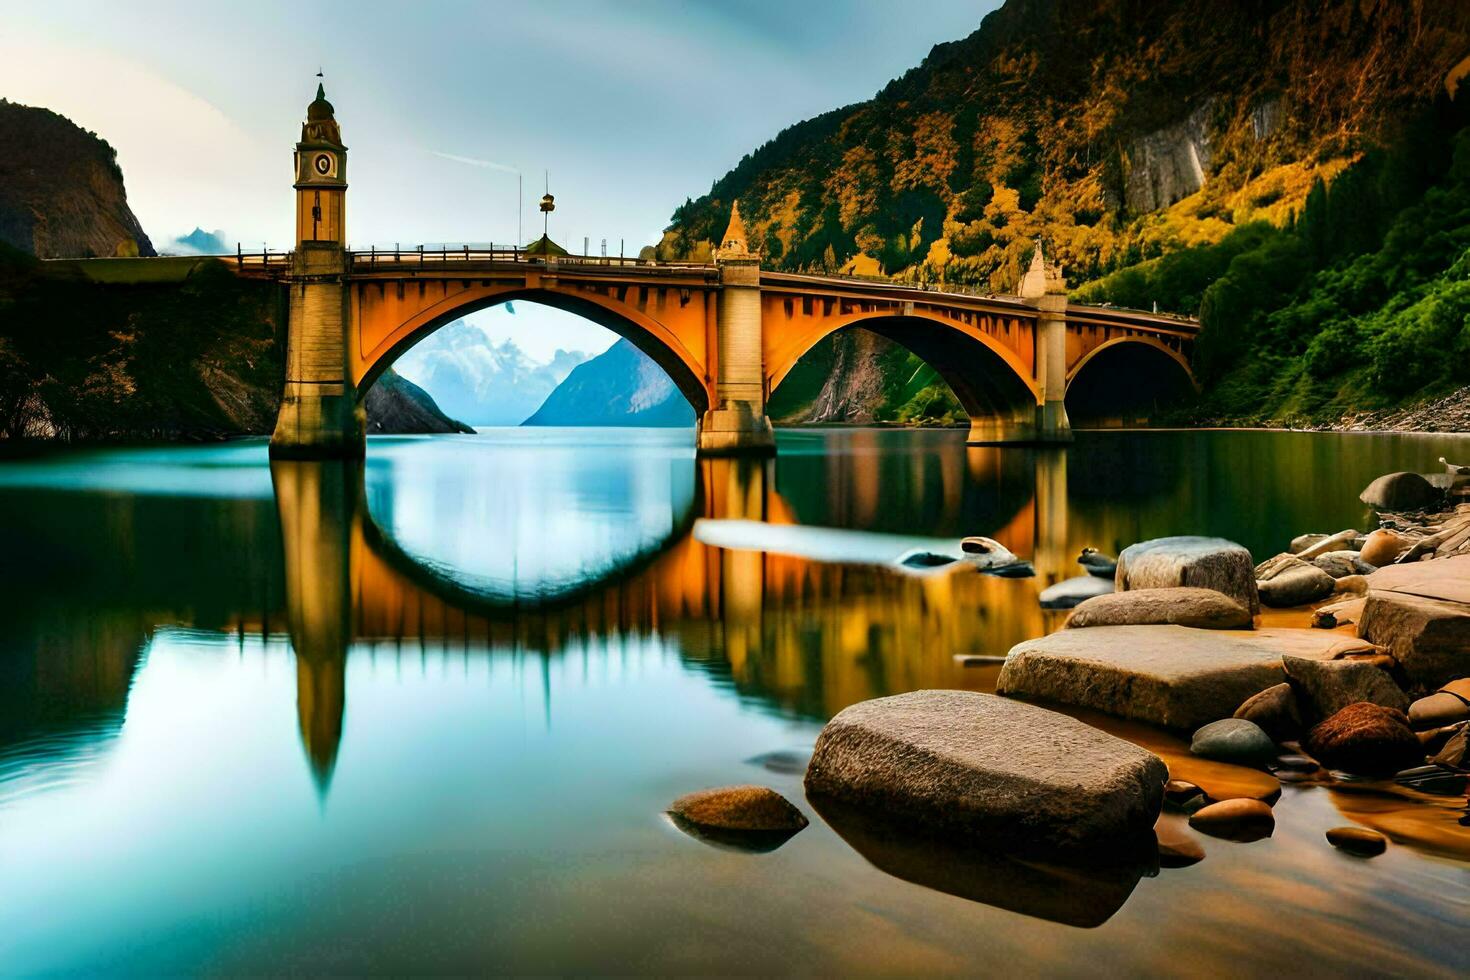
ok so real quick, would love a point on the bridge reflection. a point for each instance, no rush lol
(801, 636)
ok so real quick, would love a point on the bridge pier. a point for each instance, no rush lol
(737, 423)
(319, 416)
(1052, 424)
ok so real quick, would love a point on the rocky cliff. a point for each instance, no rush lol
(396, 405)
(1113, 129)
(61, 191)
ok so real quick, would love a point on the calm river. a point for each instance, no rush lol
(425, 715)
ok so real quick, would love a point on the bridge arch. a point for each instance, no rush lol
(1151, 372)
(382, 341)
(990, 379)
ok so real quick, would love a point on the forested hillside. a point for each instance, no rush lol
(1302, 153)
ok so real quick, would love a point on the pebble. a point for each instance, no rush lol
(1181, 794)
(1358, 841)
(1237, 820)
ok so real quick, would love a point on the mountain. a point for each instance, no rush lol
(201, 242)
(482, 382)
(395, 405)
(61, 190)
(1127, 132)
(621, 386)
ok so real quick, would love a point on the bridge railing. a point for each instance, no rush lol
(962, 289)
(267, 260)
(429, 256)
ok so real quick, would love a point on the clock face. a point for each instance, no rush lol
(323, 164)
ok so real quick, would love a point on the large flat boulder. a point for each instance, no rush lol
(1206, 563)
(1165, 675)
(1202, 608)
(1420, 611)
(990, 770)
(1441, 578)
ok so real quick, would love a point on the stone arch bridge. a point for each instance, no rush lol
(727, 341)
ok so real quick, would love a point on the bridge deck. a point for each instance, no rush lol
(467, 261)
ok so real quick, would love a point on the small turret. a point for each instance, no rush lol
(1041, 278)
(733, 243)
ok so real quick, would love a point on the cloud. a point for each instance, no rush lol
(471, 161)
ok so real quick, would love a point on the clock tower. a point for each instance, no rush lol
(321, 178)
(319, 416)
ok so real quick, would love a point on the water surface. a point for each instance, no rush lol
(426, 714)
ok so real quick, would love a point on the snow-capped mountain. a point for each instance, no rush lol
(479, 381)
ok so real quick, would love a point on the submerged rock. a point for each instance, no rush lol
(1238, 820)
(751, 818)
(1074, 591)
(1325, 687)
(1209, 563)
(1366, 739)
(1359, 841)
(1165, 675)
(1433, 779)
(1201, 608)
(986, 768)
(788, 762)
(1399, 491)
(1234, 740)
(1176, 848)
(1276, 710)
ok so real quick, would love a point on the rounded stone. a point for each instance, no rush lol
(1180, 794)
(1234, 740)
(1237, 820)
(1399, 491)
(1382, 547)
(739, 808)
(1437, 710)
(1358, 841)
(1182, 606)
(1366, 739)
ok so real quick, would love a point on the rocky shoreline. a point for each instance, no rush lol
(1360, 683)
(1449, 414)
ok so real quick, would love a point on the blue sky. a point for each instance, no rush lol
(633, 106)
